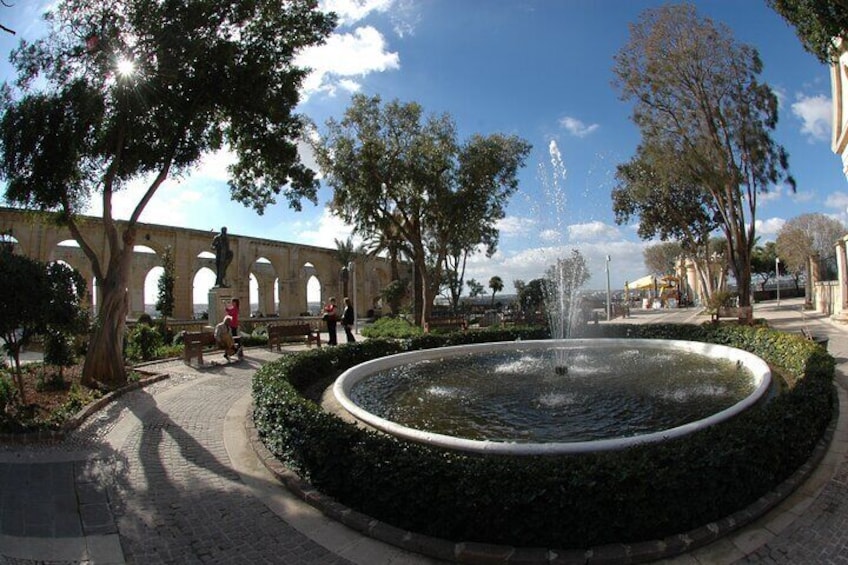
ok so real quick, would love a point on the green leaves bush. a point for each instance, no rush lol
(646, 492)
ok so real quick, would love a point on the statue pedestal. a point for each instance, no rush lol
(219, 299)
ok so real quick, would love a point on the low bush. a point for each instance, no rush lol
(142, 343)
(565, 501)
(391, 327)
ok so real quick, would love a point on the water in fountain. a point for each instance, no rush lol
(567, 276)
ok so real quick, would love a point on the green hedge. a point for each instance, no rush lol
(565, 501)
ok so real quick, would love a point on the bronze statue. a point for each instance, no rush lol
(223, 256)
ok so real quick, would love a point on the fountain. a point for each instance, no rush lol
(562, 395)
(508, 397)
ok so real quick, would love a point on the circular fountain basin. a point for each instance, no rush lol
(570, 396)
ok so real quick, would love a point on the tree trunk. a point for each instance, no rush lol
(104, 360)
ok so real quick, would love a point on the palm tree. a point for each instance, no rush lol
(497, 285)
(345, 254)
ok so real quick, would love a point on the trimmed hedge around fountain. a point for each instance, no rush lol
(649, 492)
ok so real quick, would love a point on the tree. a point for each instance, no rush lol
(345, 254)
(389, 166)
(132, 90)
(806, 238)
(817, 23)
(36, 298)
(475, 288)
(763, 263)
(662, 258)
(650, 188)
(497, 285)
(705, 119)
(531, 296)
(165, 296)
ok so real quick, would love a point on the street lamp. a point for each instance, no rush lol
(609, 309)
(352, 270)
(777, 276)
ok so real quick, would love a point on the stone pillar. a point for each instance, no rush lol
(266, 295)
(184, 284)
(841, 312)
(219, 298)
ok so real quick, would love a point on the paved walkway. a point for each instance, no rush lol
(166, 475)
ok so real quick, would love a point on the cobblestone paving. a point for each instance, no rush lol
(174, 497)
(178, 501)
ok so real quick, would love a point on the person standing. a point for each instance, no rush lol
(331, 316)
(348, 320)
(233, 312)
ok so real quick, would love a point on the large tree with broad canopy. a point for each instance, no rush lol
(705, 118)
(393, 170)
(139, 90)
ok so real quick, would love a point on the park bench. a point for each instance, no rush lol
(446, 324)
(820, 340)
(292, 332)
(743, 314)
(194, 344)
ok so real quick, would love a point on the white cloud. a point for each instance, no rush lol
(769, 227)
(626, 263)
(816, 115)
(576, 127)
(837, 200)
(403, 14)
(593, 231)
(515, 226)
(351, 11)
(549, 235)
(344, 57)
(323, 231)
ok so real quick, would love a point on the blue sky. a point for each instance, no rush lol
(539, 69)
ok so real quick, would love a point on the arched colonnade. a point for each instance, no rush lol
(288, 266)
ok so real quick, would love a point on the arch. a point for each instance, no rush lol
(202, 283)
(69, 252)
(284, 292)
(261, 286)
(151, 290)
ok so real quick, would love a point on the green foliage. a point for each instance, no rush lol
(58, 351)
(7, 395)
(719, 299)
(391, 327)
(206, 75)
(37, 298)
(817, 23)
(398, 173)
(393, 294)
(647, 492)
(165, 294)
(707, 167)
(143, 341)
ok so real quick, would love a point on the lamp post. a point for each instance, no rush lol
(609, 309)
(351, 267)
(777, 276)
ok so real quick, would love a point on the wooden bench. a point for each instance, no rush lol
(300, 332)
(820, 340)
(743, 314)
(446, 324)
(195, 343)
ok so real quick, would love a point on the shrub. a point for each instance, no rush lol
(142, 342)
(564, 501)
(391, 327)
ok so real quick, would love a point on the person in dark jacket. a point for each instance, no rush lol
(348, 320)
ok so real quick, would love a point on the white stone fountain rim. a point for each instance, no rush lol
(761, 375)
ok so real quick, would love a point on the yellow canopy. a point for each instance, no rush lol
(645, 283)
